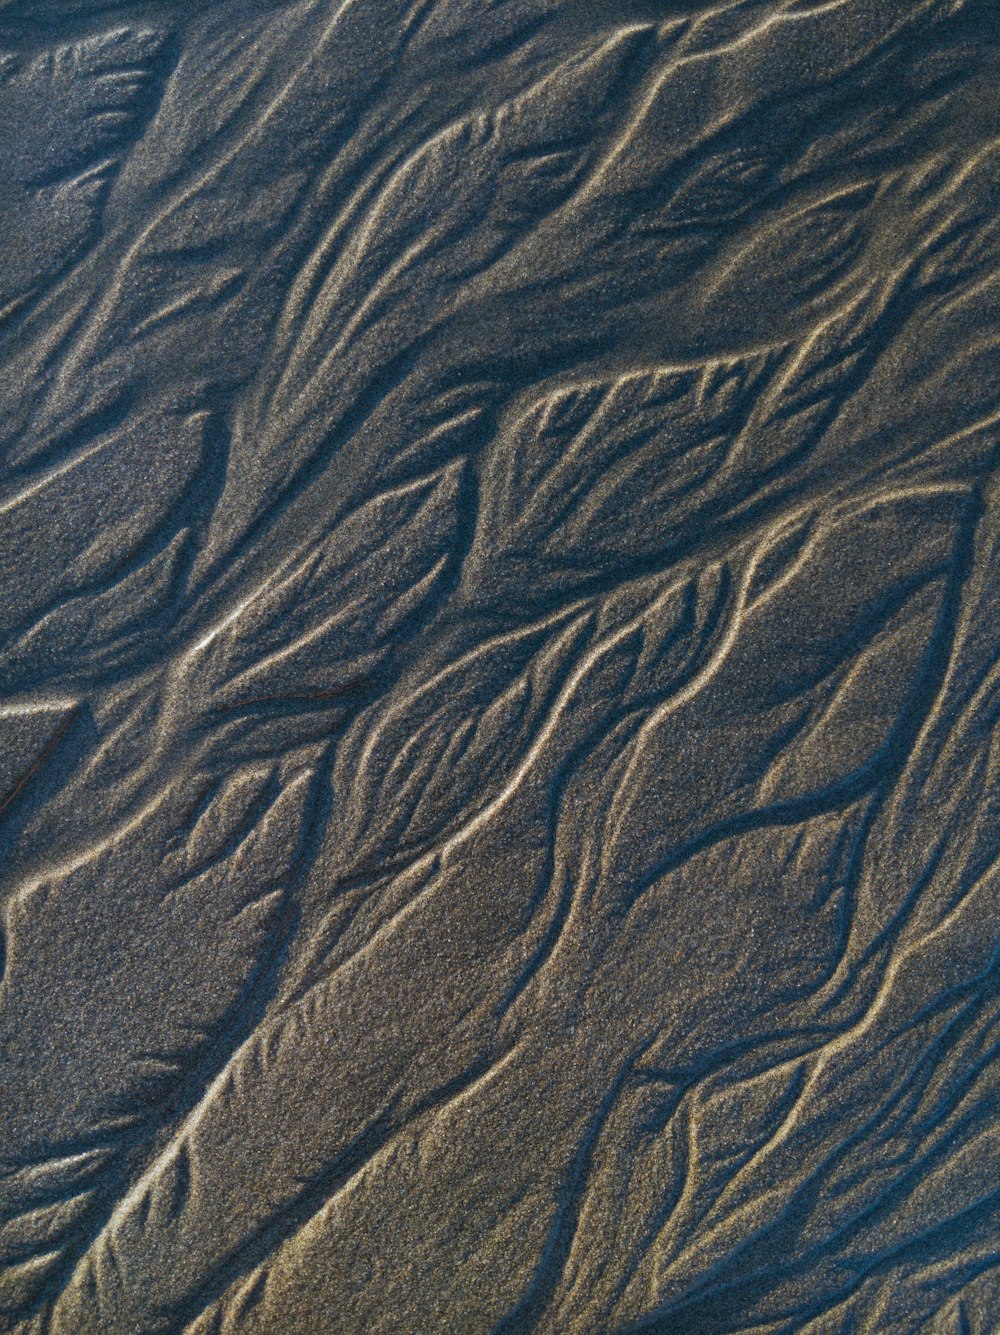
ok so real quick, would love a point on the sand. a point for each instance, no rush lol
(499, 548)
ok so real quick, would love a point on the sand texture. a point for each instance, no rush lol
(499, 667)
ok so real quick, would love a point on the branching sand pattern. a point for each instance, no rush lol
(500, 556)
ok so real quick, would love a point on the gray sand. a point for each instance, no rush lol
(500, 556)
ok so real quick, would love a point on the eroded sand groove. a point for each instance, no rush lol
(500, 554)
